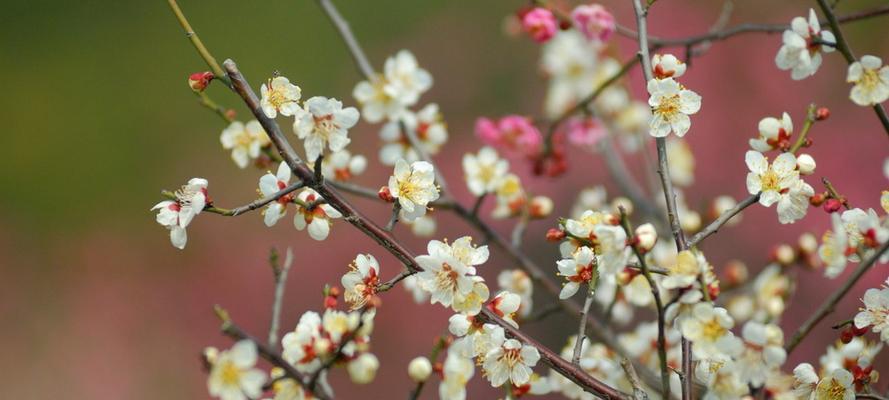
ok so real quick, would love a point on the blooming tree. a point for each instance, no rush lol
(714, 333)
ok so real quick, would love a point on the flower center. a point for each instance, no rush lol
(231, 375)
(770, 181)
(446, 278)
(511, 357)
(712, 330)
(869, 79)
(669, 107)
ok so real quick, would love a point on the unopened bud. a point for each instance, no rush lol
(847, 335)
(784, 254)
(230, 114)
(322, 346)
(647, 236)
(624, 202)
(690, 221)
(818, 199)
(386, 195)
(859, 331)
(541, 207)
(419, 369)
(211, 354)
(808, 243)
(736, 273)
(713, 290)
(822, 113)
(806, 164)
(200, 80)
(555, 235)
(832, 205)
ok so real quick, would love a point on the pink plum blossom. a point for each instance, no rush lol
(594, 21)
(540, 24)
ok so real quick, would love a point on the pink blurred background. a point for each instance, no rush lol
(96, 303)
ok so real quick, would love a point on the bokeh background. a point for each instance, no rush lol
(96, 304)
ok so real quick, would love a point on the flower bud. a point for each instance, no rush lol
(690, 221)
(808, 243)
(211, 354)
(832, 205)
(822, 113)
(847, 335)
(198, 81)
(540, 24)
(322, 346)
(363, 369)
(667, 66)
(806, 164)
(713, 290)
(735, 273)
(647, 236)
(593, 21)
(419, 369)
(541, 207)
(818, 199)
(386, 195)
(624, 202)
(555, 235)
(784, 254)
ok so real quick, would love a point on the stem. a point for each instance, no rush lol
(832, 191)
(396, 208)
(234, 212)
(280, 284)
(655, 292)
(722, 220)
(669, 194)
(207, 102)
(518, 231)
(198, 44)
(581, 336)
(844, 48)
(342, 26)
(638, 392)
(828, 306)
(478, 204)
(801, 140)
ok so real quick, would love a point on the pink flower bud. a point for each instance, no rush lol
(512, 133)
(198, 81)
(555, 235)
(593, 21)
(540, 24)
(386, 195)
(832, 205)
(822, 113)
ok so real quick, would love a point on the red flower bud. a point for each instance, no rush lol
(330, 302)
(198, 81)
(846, 335)
(818, 199)
(555, 235)
(386, 195)
(832, 205)
(822, 113)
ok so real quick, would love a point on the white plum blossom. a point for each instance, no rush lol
(667, 66)
(484, 171)
(286, 388)
(461, 249)
(413, 185)
(299, 344)
(579, 269)
(323, 122)
(773, 134)
(801, 51)
(244, 140)
(360, 283)
(444, 277)
(279, 96)
(175, 215)
(471, 301)
(376, 104)
(472, 338)
(343, 165)
(510, 361)
(517, 281)
(505, 305)
(834, 247)
(413, 286)
(709, 329)
(428, 127)
(233, 375)
(770, 180)
(794, 202)
(683, 272)
(363, 369)
(671, 104)
(875, 313)
(871, 79)
(763, 353)
(836, 384)
(419, 369)
(317, 217)
(456, 373)
(406, 81)
(269, 185)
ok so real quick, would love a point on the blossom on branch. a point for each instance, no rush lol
(871, 79)
(428, 127)
(671, 104)
(773, 134)
(233, 375)
(360, 283)
(510, 361)
(875, 313)
(279, 96)
(802, 47)
(484, 171)
(175, 215)
(323, 122)
(414, 187)
(314, 213)
(594, 21)
(269, 185)
(245, 141)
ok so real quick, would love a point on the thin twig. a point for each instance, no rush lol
(280, 273)
(669, 194)
(834, 194)
(581, 331)
(518, 231)
(714, 226)
(342, 26)
(828, 306)
(234, 212)
(197, 43)
(638, 392)
(396, 209)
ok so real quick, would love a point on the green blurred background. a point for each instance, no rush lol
(96, 304)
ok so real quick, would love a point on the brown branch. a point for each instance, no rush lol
(745, 28)
(581, 336)
(722, 220)
(669, 194)
(556, 362)
(342, 26)
(234, 212)
(638, 392)
(233, 331)
(830, 304)
(280, 273)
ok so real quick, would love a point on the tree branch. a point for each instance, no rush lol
(280, 273)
